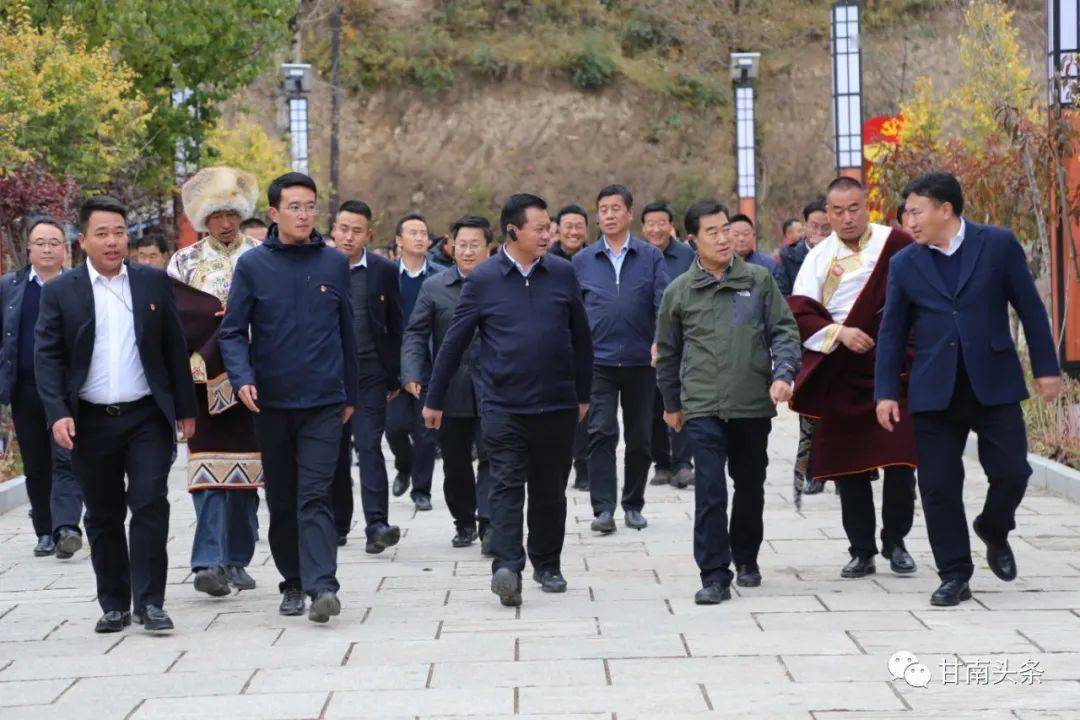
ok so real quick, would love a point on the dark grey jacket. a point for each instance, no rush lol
(12, 287)
(424, 334)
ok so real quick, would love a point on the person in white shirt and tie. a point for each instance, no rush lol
(113, 375)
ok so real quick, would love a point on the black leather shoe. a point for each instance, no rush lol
(342, 540)
(384, 537)
(581, 483)
(113, 621)
(604, 523)
(485, 543)
(239, 578)
(292, 602)
(683, 478)
(551, 581)
(324, 606)
(212, 581)
(422, 502)
(45, 546)
(661, 477)
(951, 592)
(507, 585)
(464, 537)
(401, 484)
(900, 560)
(68, 542)
(858, 567)
(712, 594)
(153, 619)
(999, 556)
(635, 520)
(748, 576)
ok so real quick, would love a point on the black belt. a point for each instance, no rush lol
(116, 409)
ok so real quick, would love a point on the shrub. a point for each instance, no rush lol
(645, 30)
(591, 66)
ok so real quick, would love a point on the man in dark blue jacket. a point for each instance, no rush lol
(952, 290)
(672, 456)
(622, 280)
(534, 381)
(376, 304)
(55, 497)
(298, 374)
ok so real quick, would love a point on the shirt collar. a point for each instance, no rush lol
(34, 277)
(94, 274)
(407, 271)
(954, 242)
(611, 251)
(727, 270)
(362, 262)
(521, 269)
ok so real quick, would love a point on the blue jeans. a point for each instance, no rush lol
(741, 445)
(225, 527)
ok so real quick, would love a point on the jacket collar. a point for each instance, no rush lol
(273, 242)
(599, 247)
(508, 263)
(972, 247)
(452, 276)
(737, 277)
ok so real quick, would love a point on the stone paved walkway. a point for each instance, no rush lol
(422, 636)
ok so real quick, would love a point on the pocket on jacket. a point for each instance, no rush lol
(744, 308)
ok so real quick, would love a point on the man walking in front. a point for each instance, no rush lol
(727, 353)
(287, 340)
(534, 382)
(622, 280)
(953, 289)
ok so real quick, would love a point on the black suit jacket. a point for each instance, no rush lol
(64, 342)
(385, 314)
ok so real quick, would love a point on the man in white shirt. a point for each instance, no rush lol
(113, 375)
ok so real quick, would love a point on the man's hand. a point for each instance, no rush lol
(780, 391)
(888, 413)
(855, 340)
(249, 396)
(221, 312)
(1048, 387)
(655, 352)
(432, 418)
(346, 413)
(582, 411)
(186, 428)
(392, 394)
(413, 388)
(63, 431)
(674, 420)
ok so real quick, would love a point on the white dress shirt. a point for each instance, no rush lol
(362, 262)
(116, 372)
(402, 268)
(954, 242)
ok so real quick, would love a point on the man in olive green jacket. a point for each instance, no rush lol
(727, 353)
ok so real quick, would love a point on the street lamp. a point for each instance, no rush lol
(744, 71)
(847, 87)
(296, 82)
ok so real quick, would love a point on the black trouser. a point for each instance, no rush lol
(528, 451)
(467, 493)
(137, 442)
(634, 386)
(741, 445)
(55, 497)
(581, 452)
(368, 423)
(411, 442)
(670, 450)
(940, 438)
(857, 509)
(299, 452)
(341, 490)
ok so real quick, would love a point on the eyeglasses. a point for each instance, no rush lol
(823, 229)
(298, 209)
(53, 244)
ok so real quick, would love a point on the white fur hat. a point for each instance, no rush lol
(219, 188)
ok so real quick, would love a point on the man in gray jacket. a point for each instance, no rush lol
(466, 493)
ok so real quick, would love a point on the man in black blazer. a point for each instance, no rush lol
(114, 377)
(377, 320)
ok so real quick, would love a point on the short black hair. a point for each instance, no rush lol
(407, 218)
(620, 190)
(356, 207)
(844, 183)
(100, 203)
(288, 180)
(941, 187)
(704, 208)
(572, 209)
(513, 209)
(252, 222)
(45, 220)
(473, 221)
(900, 210)
(658, 206)
(740, 218)
(815, 205)
(786, 224)
(154, 239)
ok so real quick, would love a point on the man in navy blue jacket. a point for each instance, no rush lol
(952, 291)
(298, 374)
(622, 280)
(534, 380)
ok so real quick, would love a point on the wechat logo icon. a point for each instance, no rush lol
(905, 666)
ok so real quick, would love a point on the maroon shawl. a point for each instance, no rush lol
(838, 388)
